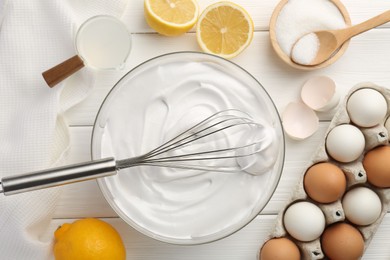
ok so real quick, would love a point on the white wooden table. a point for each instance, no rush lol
(367, 59)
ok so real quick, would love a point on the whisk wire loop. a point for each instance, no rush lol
(221, 122)
(179, 139)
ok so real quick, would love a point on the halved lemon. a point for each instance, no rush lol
(171, 17)
(224, 29)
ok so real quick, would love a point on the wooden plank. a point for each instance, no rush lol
(85, 199)
(243, 245)
(260, 12)
(367, 59)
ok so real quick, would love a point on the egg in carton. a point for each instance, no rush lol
(309, 222)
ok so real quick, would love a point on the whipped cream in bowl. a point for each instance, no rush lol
(154, 102)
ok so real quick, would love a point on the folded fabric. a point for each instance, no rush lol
(3, 7)
(34, 36)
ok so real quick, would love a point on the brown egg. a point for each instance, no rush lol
(342, 241)
(280, 249)
(377, 165)
(325, 182)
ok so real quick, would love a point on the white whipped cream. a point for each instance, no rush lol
(176, 205)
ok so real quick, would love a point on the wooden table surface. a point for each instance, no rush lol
(367, 59)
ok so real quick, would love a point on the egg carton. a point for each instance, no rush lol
(355, 175)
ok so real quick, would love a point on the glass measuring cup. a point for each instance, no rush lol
(102, 42)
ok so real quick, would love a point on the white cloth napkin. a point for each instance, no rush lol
(34, 36)
(3, 7)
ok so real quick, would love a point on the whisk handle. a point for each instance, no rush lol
(58, 176)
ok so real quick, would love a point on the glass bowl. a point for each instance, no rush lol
(177, 206)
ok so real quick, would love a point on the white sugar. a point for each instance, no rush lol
(305, 49)
(300, 17)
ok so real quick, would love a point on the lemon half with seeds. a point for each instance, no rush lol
(171, 17)
(224, 29)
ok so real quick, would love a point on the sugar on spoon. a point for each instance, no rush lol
(316, 47)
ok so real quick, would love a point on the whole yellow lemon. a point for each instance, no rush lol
(88, 239)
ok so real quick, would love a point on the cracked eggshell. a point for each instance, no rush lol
(299, 121)
(319, 93)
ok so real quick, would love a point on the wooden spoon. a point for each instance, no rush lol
(326, 43)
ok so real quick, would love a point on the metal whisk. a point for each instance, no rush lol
(227, 131)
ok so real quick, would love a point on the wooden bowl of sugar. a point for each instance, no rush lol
(292, 19)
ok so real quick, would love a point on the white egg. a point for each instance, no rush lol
(345, 143)
(304, 221)
(367, 107)
(362, 206)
